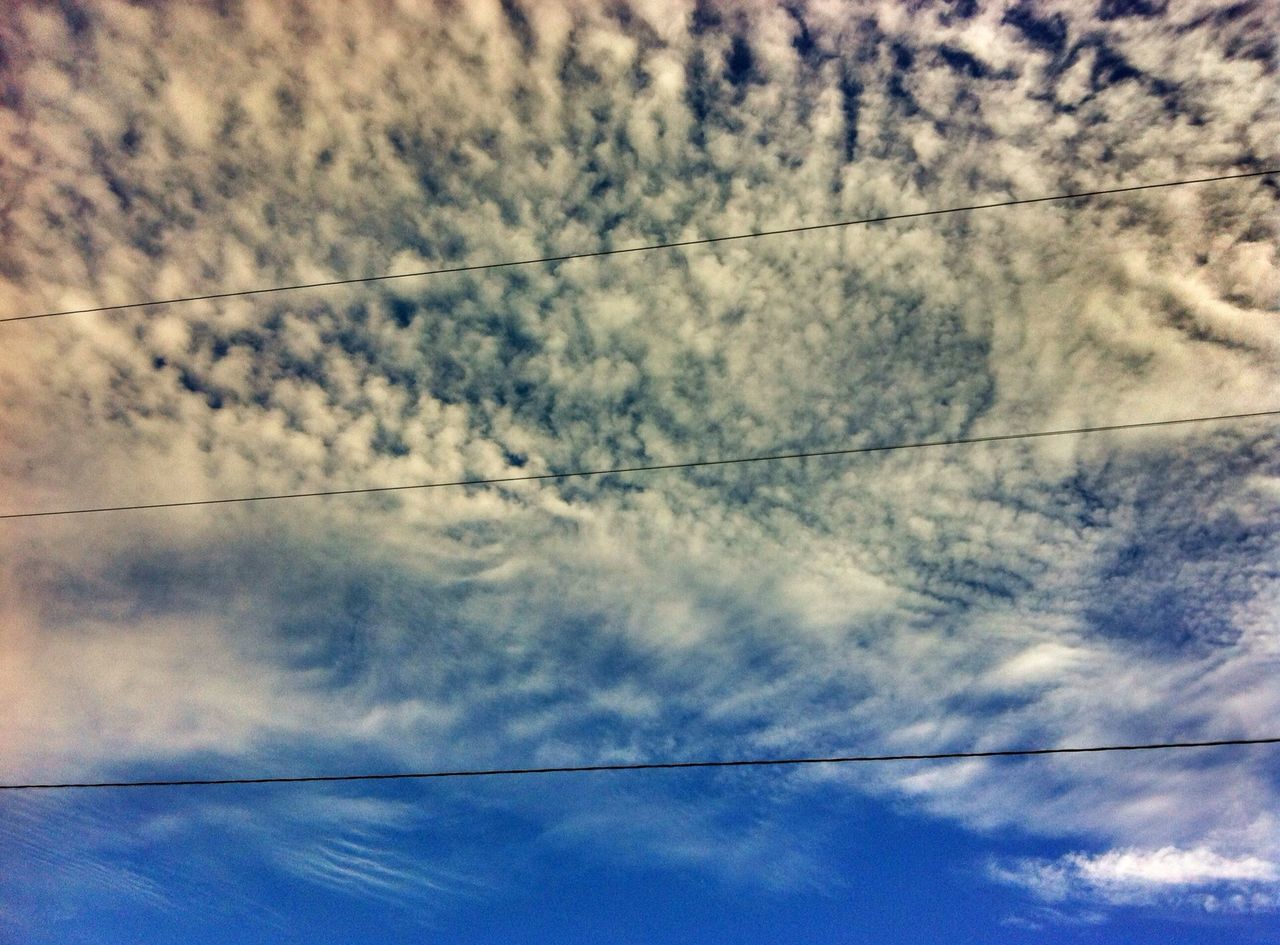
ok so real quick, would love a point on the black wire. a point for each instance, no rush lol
(643, 766)
(703, 241)
(963, 441)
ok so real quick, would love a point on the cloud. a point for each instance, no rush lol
(1113, 588)
(1171, 867)
(1165, 876)
(209, 855)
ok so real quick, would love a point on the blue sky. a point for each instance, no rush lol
(498, 875)
(1112, 588)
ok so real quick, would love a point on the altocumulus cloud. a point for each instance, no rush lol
(1083, 590)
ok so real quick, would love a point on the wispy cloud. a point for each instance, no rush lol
(1165, 876)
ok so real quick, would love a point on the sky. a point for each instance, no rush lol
(1097, 589)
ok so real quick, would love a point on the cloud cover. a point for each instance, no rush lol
(1113, 588)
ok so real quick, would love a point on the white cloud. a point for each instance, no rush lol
(1043, 663)
(1169, 866)
(1164, 876)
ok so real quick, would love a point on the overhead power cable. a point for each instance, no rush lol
(642, 766)
(646, 248)
(657, 467)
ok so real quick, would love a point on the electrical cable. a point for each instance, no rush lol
(643, 766)
(619, 470)
(649, 247)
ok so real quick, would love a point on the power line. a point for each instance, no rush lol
(643, 766)
(650, 247)
(619, 470)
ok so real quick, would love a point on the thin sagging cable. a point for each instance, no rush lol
(646, 248)
(658, 467)
(644, 766)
